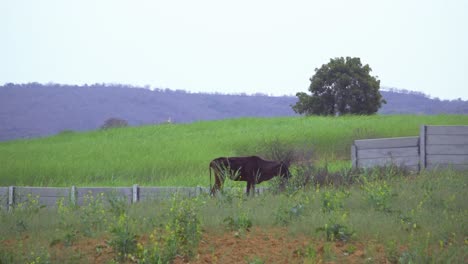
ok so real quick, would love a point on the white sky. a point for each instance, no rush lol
(238, 46)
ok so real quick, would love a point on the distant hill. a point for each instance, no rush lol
(35, 110)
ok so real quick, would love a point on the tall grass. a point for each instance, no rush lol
(179, 154)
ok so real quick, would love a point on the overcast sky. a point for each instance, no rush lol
(237, 46)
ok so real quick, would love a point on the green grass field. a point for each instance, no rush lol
(384, 216)
(179, 154)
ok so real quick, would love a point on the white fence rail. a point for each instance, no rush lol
(436, 147)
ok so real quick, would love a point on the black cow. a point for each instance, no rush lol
(251, 169)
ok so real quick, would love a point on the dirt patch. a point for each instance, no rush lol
(272, 245)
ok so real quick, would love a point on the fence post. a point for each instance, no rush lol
(135, 193)
(354, 156)
(11, 198)
(422, 148)
(73, 196)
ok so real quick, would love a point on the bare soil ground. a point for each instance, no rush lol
(260, 245)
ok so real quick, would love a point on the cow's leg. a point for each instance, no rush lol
(250, 188)
(218, 183)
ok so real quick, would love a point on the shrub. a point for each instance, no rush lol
(184, 227)
(114, 123)
(333, 200)
(379, 195)
(239, 222)
(123, 241)
(336, 232)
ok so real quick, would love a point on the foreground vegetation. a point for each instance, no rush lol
(178, 154)
(384, 215)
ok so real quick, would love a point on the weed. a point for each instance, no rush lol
(25, 210)
(378, 194)
(391, 249)
(333, 200)
(350, 249)
(291, 210)
(92, 214)
(183, 229)
(118, 203)
(181, 235)
(255, 260)
(407, 223)
(301, 179)
(124, 241)
(309, 253)
(336, 232)
(328, 254)
(66, 214)
(154, 252)
(239, 222)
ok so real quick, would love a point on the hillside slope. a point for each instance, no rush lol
(35, 110)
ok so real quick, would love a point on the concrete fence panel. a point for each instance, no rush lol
(445, 146)
(156, 193)
(84, 193)
(47, 196)
(402, 151)
(436, 147)
(3, 198)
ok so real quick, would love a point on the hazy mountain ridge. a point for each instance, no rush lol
(33, 110)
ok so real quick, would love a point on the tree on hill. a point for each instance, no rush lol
(343, 86)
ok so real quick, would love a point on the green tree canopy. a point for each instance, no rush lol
(343, 86)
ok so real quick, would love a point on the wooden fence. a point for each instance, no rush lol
(49, 196)
(436, 147)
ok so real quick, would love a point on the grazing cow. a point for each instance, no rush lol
(251, 169)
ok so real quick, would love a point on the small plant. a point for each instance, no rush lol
(407, 257)
(65, 214)
(37, 256)
(6, 256)
(239, 223)
(335, 229)
(391, 249)
(309, 253)
(180, 236)
(184, 227)
(124, 242)
(286, 214)
(118, 203)
(388, 172)
(154, 253)
(350, 249)
(324, 177)
(336, 232)
(408, 223)
(379, 195)
(255, 260)
(92, 214)
(332, 200)
(301, 179)
(328, 254)
(25, 210)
